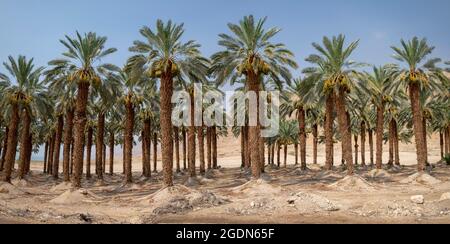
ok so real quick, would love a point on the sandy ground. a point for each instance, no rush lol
(226, 195)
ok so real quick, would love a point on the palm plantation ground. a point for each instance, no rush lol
(356, 143)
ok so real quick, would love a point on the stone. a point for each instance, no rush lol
(419, 199)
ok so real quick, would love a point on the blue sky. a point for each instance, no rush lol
(33, 28)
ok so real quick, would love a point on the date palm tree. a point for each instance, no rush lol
(83, 56)
(249, 52)
(381, 87)
(294, 100)
(334, 77)
(22, 96)
(65, 96)
(416, 78)
(132, 96)
(167, 57)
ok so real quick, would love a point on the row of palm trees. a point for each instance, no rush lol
(78, 99)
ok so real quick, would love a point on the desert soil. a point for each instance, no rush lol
(226, 195)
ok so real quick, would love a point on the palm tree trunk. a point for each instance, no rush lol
(355, 136)
(315, 133)
(270, 155)
(71, 155)
(254, 86)
(396, 145)
(12, 142)
(273, 154)
(5, 149)
(104, 159)
(278, 154)
(344, 129)
(302, 135)
(242, 147)
(45, 157)
(26, 123)
(363, 143)
(111, 153)
(208, 148)
(414, 93)
(129, 127)
(391, 143)
(184, 149)
(79, 132)
(379, 137)
(58, 140)
(247, 148)
(441, 143)
(50, 156)
(201, 149)
(214, 147)
(177, 148)
(146, 150)
(371, 147)
(155, 152)
(329, 118)
(28, 154)
(90, 134)
(285, 155)
(67, 144)
(166, 128)
(191, 139)
(25, 136)
(262, 154)
(296, 153)
(99, 146)
(447, 141)
(425, 140)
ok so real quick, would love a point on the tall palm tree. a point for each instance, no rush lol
(65, 95)
(334, 75)
(167, 58)
(132, 97)
(295, 101)
(413, 53)
(380, 86)
(18, 97)
(83, 55)
(249, 52)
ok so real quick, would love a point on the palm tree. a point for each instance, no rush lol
(18, 97)
(65, 94)
(167, 58)
(250, 53)
(413, 53)
(381, 88)
(294, 101)
(288, 135)
(334, 75)
(132, 84)
(82, 55)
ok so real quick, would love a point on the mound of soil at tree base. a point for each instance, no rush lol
(64, 186)
(307, 202)
(213, 173)
(257, 188)
(22, 183)
(378, 173)
(323, 175)
(76, 196)
(6, 188)
(299, 171)
(421, 178)
(351, 183)
(179, 199)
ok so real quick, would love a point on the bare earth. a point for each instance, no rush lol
(285, 195)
